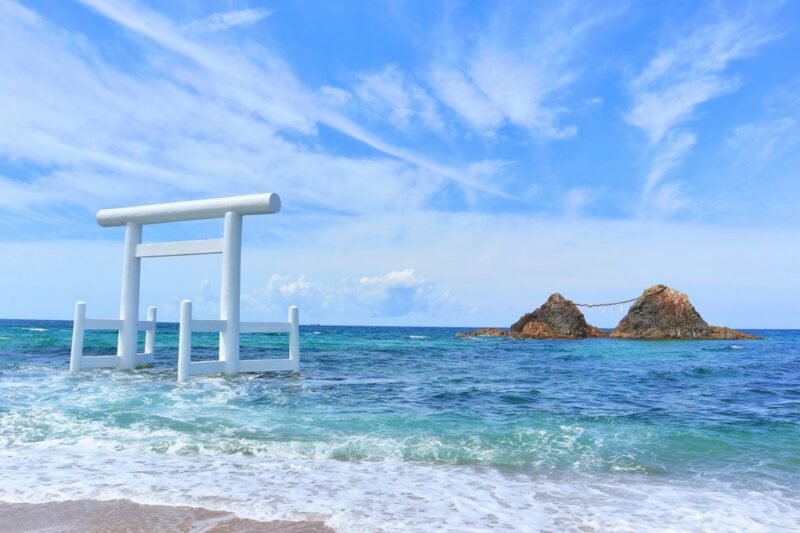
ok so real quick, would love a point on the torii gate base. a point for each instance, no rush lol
(229, 325)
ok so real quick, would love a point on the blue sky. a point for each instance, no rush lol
(440, 163)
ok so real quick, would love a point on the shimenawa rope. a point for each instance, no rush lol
(622, 302)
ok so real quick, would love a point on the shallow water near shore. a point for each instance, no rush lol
(412, 429)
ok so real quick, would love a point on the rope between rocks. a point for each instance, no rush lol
(623, 301)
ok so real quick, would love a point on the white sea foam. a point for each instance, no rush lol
(417, 336)
(35, 329)
(389, 495)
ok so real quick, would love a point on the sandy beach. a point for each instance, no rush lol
(87, 516)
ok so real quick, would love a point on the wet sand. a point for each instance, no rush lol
(118, 516)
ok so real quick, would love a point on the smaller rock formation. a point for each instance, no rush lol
(722, 333)
(661, 312)
(484, 332)
(557, 318)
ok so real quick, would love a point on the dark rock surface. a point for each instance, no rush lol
(661, 312)
(557, 318)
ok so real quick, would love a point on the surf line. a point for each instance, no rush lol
(229, 326)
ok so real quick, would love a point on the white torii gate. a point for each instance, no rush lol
(232, 209)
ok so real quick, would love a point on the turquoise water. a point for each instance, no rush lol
(416, 429)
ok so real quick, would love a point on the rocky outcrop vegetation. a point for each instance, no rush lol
(557, 318)
(661, 312)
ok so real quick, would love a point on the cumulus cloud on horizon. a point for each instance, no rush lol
(394, 294)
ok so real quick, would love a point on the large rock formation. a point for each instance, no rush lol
(557, 318)
(662, 312)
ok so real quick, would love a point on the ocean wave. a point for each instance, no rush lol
(210, 437)
(418, 337)
(714, 347)
(392, 495)
(174, 432)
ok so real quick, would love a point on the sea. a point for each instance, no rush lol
(416, 429)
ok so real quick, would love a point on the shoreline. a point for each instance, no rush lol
(87, 515)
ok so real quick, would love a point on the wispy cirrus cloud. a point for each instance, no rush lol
(97, 134)
(391, 93)
(513, 71)
(672, 151)
(577, 199)
(267, 86)
(764, 140)
(198, 120)
(770, 138)
(510, 69)
(762, 155)
(227, 20)
(691, 69)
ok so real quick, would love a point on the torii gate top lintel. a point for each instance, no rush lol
(251, 204)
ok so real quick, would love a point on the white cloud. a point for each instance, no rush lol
(515, 70)
(663, 200)
(672, 152)
(762, 141)
(762, 156)
(576, 199)
(687, 72)
(335, 96)
(658, 111)
(211, 125)
(398, 293)
(266, 87)
(389, 92)
(459, 93)
(692, 69)
(666, 201)
(227, 20)
(13, 10)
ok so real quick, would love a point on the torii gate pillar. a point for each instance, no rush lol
(129, 301)
(230, 295)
